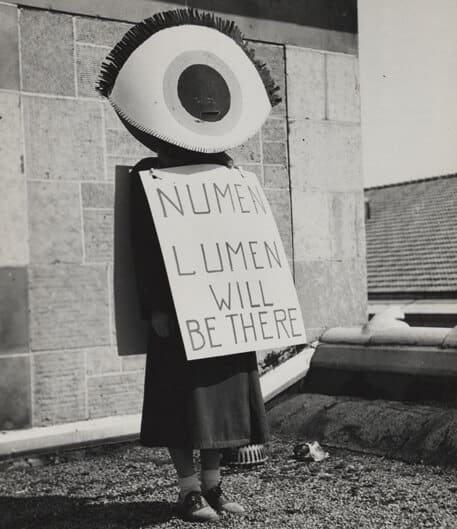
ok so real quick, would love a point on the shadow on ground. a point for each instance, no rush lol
(59, 512)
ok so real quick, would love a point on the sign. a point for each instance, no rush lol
(229, 275)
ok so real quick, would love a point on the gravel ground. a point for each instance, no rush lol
(130, 487)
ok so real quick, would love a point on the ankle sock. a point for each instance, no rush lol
(210, 478)
(188, 484)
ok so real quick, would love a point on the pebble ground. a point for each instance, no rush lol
(130, 487)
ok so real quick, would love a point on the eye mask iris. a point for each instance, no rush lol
(204, 93)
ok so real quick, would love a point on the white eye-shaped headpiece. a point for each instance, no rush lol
(188, 79)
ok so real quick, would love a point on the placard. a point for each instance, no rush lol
(229, 275)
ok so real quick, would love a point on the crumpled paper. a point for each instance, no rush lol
(310, 452)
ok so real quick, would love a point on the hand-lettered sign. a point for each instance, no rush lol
(229, 275)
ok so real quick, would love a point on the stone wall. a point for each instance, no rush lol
(59, 146)
(326, 187)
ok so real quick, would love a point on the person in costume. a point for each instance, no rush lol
(186, 85)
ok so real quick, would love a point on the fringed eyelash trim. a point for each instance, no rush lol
(164, 137)
(139, 33)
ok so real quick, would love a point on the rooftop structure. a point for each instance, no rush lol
(411, 231)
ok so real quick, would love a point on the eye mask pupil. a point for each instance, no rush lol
(203, 92)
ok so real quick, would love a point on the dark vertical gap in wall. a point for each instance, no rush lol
(288, 161)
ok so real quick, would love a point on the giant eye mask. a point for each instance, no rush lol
(190, 85)
(162, 93)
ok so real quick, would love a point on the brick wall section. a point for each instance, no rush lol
(59, 146)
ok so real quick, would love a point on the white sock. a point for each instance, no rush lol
(210, 478)
(188, 484)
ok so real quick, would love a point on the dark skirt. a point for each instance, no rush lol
(208, 403)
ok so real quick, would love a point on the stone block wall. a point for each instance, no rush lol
(326, 187)
(59, 146)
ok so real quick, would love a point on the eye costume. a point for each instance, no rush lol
(186, 85)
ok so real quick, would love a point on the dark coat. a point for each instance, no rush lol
(208, 403)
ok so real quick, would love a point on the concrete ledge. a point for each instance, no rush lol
(76, 433)
(386, 359)
(340, 335)
(390, 347)
(126, 427)
(399, 334)
(410, 360)
(423, 336)
(392, 429)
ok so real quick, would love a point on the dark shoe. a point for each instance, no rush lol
(195, 508)
(219, 502)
